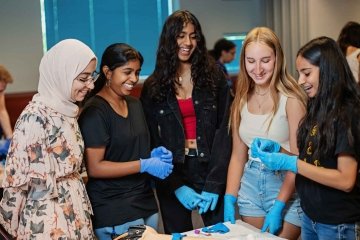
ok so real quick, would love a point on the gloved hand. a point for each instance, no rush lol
(229, 208)
(279, 161)
(156, 167)
(188, 197)
(4, 147)
(211, 201)
(217, 228)
(264, 145)
(162, 153)
(274, 219)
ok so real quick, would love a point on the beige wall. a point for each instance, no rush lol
(327, 17)
(21, 42)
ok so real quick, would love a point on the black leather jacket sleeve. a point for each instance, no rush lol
(221, 146)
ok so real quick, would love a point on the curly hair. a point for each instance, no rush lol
(281, 80)
(203, 66)
(337, 96)
(5, 75)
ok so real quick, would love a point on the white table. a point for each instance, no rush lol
(238, 231)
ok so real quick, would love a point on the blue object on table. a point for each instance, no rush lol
(177, 236)
(217, 228)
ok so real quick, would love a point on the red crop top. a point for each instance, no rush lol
(189, 118)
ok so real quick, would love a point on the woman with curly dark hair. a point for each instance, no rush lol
(328, 178)
(186, 104)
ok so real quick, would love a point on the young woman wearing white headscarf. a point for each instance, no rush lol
(44, 195)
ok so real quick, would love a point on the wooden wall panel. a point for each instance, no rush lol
(16, 102)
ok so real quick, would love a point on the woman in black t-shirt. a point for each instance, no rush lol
(117, 142)
(328, 165)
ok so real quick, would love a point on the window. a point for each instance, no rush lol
(101, 23)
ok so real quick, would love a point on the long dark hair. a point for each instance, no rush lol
(337, 98)
(114, 56)
(164, 76)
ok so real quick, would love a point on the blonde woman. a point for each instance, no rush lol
(268, 104)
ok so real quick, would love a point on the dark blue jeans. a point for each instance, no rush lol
(311, 230)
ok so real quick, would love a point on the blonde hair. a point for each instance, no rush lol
(5, 75)
(281, 81)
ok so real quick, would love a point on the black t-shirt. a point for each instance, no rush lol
(124, 199)
(325, 204)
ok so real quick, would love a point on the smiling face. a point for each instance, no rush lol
(259, 62)
(123, 79)
(308, 76)
(186, 42)
(79, 88)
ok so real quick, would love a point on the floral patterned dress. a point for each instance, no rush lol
(44, 195)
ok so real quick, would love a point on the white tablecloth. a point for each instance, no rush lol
(238, 231)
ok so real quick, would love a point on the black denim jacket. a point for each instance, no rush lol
(213, 137)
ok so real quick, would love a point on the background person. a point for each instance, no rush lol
(44, 195)
(224, 52)
(268, 103)
(117, 146)
(186, 103)
(5, 79)
(349, 42)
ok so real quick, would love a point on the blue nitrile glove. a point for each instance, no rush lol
(162, 153)
(4, 147)
(264, 145)
(274, 219)
(229, 208)
(156, 167)
(188, 197)
(279, 161)
(177, 236)
(217, 228)
(210, 202)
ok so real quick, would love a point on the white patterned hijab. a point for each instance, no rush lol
(58, 69)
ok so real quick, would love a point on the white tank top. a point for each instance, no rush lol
(253, 125)
(354, 63)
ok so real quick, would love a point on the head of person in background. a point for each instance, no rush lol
(5, 78)
(224, 52)
(349, 42)
(6, 128)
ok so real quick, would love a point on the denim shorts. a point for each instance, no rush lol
(318, 231)
(259, 189)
